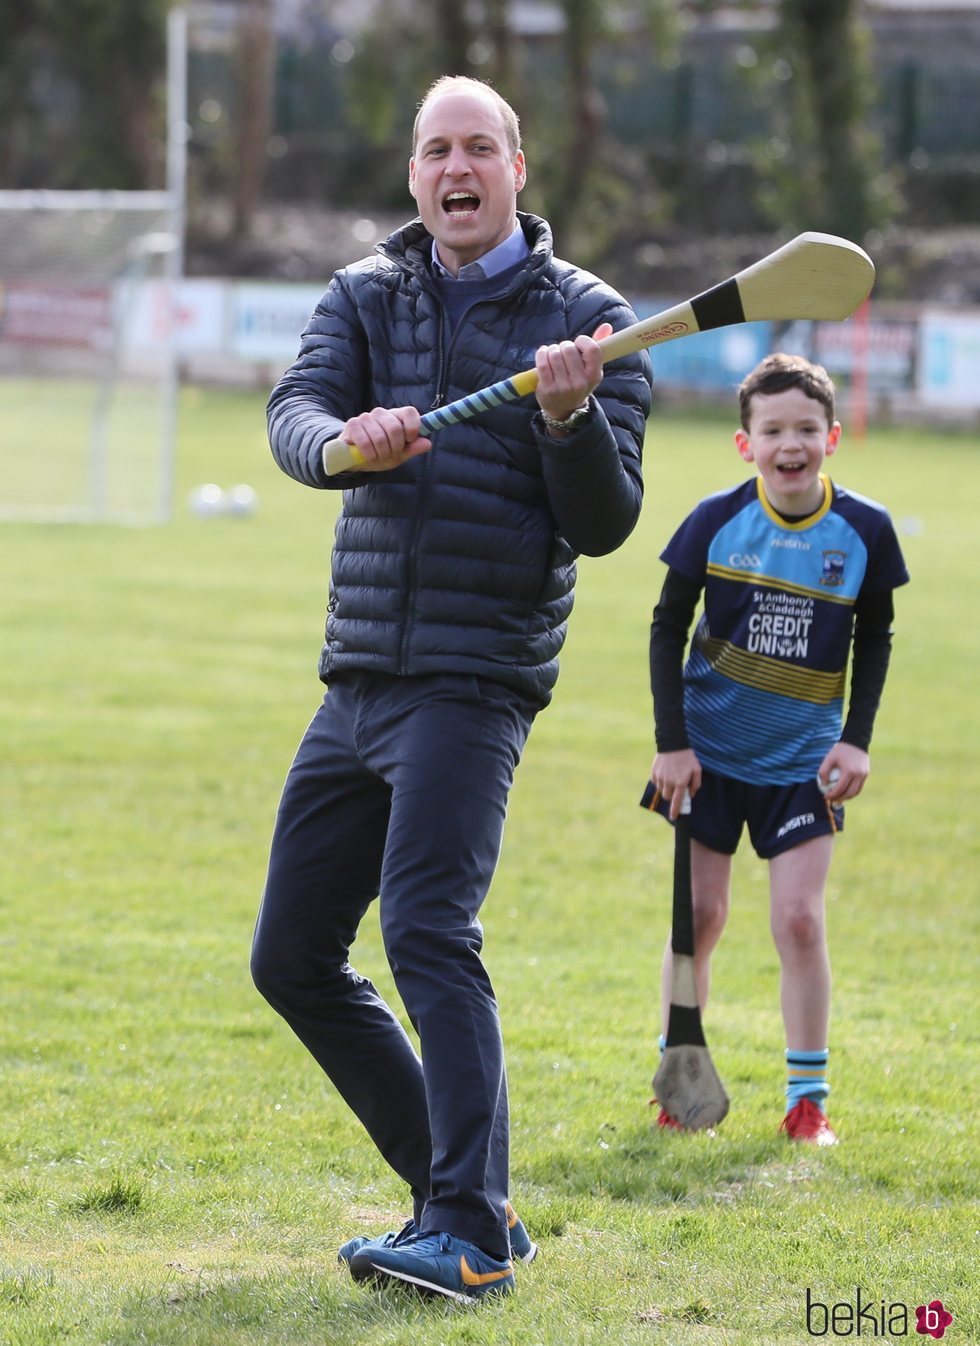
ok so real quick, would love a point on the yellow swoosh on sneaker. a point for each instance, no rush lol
(471, 1277)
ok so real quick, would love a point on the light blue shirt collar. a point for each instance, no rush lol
(513, 250)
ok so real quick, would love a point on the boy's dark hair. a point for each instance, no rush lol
(778, 372)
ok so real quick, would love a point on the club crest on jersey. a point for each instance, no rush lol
(833, 569)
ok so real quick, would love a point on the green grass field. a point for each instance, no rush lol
(173, 1168)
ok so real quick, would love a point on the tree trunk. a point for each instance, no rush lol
(586, 111)
(828, 48)
(455, 37)
(256, 54)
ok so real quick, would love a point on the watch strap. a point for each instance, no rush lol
(570, 422)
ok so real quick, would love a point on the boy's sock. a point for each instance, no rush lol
(806, 1077)
(662, 1044)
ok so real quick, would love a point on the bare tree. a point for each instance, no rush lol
(585, 111)
(587, 189)
(454, 36)
(105, 62)
(502, 40)
(832, 178)
(255, 57)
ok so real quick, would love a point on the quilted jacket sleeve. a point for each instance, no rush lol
(594, 477)
(321, 390)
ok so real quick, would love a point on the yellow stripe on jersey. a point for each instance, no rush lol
(784, 586)
(771, 675)
(808, 520)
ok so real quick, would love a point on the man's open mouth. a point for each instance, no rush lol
(460, 203)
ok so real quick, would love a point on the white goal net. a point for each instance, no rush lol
(87, 355)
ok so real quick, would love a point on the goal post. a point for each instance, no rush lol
(88, 341)
(87, 350)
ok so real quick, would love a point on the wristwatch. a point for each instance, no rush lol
(571, 422)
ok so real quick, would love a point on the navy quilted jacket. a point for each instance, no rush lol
(461, 560)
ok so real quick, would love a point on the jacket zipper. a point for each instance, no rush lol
(442, 368)
(443, 362)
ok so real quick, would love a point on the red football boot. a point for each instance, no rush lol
(807, 1122)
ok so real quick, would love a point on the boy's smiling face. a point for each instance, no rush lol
(788, 439)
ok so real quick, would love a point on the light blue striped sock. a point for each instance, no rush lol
(806, 1077)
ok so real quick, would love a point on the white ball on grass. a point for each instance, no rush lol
(242, 499)
(206, 501)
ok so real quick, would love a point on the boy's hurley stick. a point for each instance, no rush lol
(813, 276)
(686, 1083)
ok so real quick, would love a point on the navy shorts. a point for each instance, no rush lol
(779, 817)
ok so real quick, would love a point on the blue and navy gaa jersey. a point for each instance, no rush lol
(765, 676)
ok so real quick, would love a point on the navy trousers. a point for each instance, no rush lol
(399, 790)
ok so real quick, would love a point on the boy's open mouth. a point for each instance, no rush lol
(790, 468)
(460, 203)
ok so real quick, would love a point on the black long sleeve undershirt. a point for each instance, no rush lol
(871, 648)
(874, 614)
(672, 618)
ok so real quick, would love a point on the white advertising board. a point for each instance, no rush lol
(267, 320)
(949, 359)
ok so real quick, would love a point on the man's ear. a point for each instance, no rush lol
(520, 171)
(833, 438)
(744, 446)
(411, 176)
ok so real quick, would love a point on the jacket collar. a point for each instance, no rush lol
(411, 246)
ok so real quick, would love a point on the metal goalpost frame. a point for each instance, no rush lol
(177, 134)
(149, 245)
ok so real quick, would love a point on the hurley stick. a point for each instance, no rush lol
(686, 1083)
(813, 276)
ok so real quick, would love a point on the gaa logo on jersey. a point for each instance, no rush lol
(833, 569)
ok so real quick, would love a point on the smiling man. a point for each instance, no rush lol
(452, 580)
(466, 170)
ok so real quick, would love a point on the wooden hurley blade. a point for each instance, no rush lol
(688, 1087)
(815, 276)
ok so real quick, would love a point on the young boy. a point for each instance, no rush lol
(796, 573)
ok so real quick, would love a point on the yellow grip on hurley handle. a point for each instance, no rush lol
(339, 456)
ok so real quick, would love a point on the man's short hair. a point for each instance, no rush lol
(778, 372)
(475, 88)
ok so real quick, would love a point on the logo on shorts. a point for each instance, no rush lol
(801, 820)
(833, 569)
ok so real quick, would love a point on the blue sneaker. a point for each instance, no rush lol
(521, 1245)
(436, 1264)
(522, 1248)
(347, 1250)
